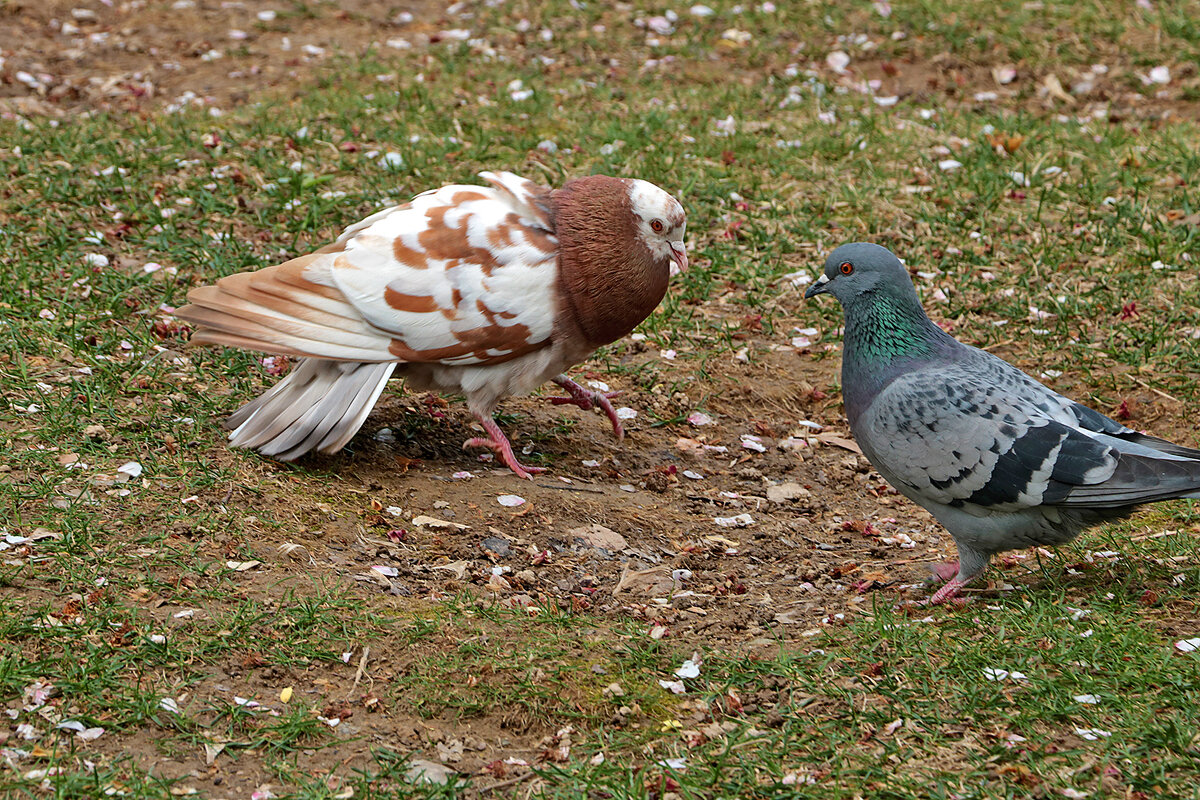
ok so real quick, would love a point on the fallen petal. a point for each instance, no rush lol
(131, 468)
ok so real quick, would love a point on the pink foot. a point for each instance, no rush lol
(947, 570)
(948, 592)
(586, 399)
(500, 445)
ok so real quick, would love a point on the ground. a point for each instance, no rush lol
(715, 606)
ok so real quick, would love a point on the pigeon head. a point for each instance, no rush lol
(619, 241)
(660, 222)
(861, 268)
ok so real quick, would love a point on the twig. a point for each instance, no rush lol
(570, 488)
(362, 663)
(1158, 535)
(508, 782)
(1158, 392)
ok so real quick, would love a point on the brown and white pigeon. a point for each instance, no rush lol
(488, 291)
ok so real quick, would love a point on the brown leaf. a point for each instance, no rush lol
(832, 439)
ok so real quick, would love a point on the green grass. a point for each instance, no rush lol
(92, 364)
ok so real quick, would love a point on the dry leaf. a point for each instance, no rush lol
(211, 751)
(459, 568)
(656, 580)
(832, 439)
(434, 522)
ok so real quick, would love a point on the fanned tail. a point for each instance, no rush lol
(293, 309)
(319, 406)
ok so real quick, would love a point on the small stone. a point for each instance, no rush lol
(496, 545)
(787, 492)
(598, 536)
(422, 771)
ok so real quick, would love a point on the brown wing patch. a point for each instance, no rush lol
(475, 342)
(408, 256)
(540, 239)
(535, 199)
(414, 303)
(502, 235)
(444, 242)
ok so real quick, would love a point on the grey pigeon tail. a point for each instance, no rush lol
(999, 459)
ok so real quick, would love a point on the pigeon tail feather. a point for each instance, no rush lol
(281, 310)
(319, 406)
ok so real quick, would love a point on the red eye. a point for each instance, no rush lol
(846, 268)
(656, 226)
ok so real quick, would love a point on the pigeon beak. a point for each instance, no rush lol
(679, 256)
(818, 287)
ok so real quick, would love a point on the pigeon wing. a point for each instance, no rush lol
(973, 436)
(461, 275)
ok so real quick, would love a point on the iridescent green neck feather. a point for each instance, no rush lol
(886, 333)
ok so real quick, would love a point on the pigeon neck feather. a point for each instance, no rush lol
(610, 279)
(885, 335)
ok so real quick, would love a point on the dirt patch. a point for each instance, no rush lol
(135, 56)
(138, 56)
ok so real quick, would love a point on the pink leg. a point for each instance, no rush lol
(948, 592)
(499, 443)
(947, 570)
(967, 572)
(586, 398)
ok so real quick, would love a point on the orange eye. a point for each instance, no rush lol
(656, 226)
(846, 268)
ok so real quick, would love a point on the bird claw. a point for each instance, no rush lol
(949, 592)
(504, 450)
(917, 606)
(588, 399)
(499, 444)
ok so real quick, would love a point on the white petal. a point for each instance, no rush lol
(131, 468)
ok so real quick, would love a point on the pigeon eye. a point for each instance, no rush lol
(846, 268)
(656, 225)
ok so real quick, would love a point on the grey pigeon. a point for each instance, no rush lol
(1000, 460)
